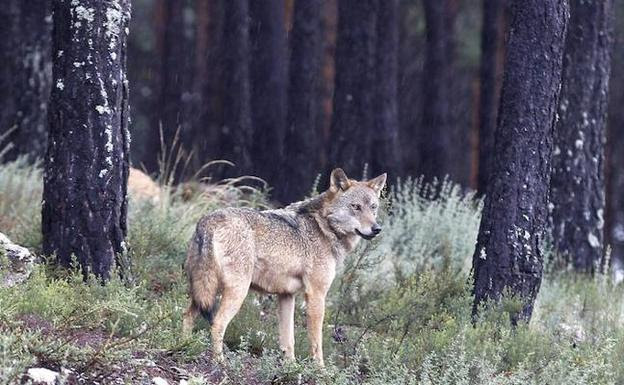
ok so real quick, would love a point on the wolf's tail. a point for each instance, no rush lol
(202, 274)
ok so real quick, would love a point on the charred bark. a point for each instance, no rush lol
(385, 149)
(25, 75)
(302, 141)
(614, 215)
(577, 184)
(492, 41)
(508, 259)
(352, 121)
(268, 86)
(86, 166)
(236, 134)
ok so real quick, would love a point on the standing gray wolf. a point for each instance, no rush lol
(283, 252)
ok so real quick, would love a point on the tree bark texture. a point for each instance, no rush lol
(25, 75)
(577, 184)
(385, 149)
(86, 166)
(303, 138)
(237, 132)
(352, 121)
(492, 42)
(508, 259)
(614, 215)
(268, 86)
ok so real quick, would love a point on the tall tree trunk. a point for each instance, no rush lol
(268, 86)
(492, 41)
(436, 129)
(508, 255)
(329, 26)
(209, 84)
(352, 121)
(410, 84)
(302, 143)
(25, 75)
(614, 214)
(174, 109)
(385, 154)
(577, 184)
(237, 133)
(86, 167)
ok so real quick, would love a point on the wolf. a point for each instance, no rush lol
(283, 252)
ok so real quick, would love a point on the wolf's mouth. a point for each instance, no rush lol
(368, 237)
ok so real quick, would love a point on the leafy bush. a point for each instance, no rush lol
(398, 313)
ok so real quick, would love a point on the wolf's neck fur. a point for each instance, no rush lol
(310, 205)
(342, 244)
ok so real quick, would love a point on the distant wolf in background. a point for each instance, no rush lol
(283, 252)
(141, 187)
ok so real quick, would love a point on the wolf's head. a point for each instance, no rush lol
(352, 205)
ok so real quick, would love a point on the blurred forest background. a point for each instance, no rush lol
(425, 79)
(287, 90)
(515, 105)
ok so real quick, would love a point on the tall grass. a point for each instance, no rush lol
(21, 187)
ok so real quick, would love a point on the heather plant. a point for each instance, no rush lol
(399, 311)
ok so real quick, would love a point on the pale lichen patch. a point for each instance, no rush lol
(102, 109)
(593, 240)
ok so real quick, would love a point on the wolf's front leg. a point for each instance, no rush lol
(315, 303)
(286, 310)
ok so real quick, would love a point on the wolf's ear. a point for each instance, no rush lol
(338, 181)
(378, 183)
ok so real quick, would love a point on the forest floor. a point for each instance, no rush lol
(398, 312)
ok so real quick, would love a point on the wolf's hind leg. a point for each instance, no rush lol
(189, 319)
(231, 300)
(286, 312)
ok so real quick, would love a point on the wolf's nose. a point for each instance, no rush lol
(376, 229)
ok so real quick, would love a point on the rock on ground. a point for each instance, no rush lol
(42, 375)
(16, 262)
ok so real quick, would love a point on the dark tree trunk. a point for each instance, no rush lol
(492, 41)
(236, 133)
(508, 257)
(302, 143)
(436, 129)
(410, 84)
(352, 121)
(268, 86)
(329, 26)
(25, 75)
(614, 215)
(385, 154)
(174, 106)
(209, 71)
(86, 167)
(577, 184)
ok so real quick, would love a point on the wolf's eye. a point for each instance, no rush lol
(356, 207)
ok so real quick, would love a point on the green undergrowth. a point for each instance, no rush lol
(398, 312)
